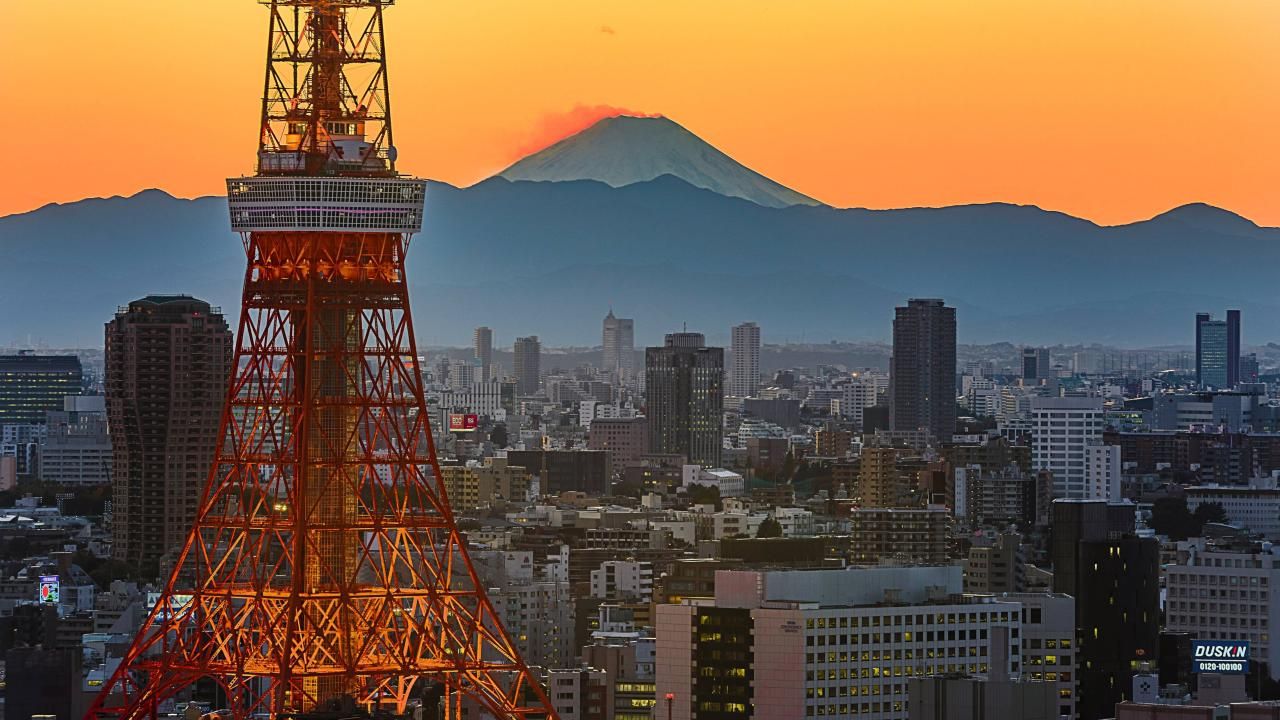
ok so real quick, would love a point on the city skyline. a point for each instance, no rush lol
(326, 503)
(1006, 104)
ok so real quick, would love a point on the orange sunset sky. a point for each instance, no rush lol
(1113, 110)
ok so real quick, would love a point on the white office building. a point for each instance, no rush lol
(744, 370)
(1102, 472)
(622, 580)
(1062, 430)
(1226, 592)
(1255, 508)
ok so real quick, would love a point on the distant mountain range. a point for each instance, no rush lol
(548, 256)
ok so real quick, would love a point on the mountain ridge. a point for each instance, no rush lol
(513, 255)
(625, 150)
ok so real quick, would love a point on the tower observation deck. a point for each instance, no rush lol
(324, 571)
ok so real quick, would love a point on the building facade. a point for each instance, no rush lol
(168, 358)
(922, 374)
(483, 341)
(1063, 428)
(31, 385)
(528, 364)
(744, 371)
(684, 393)
(619, 346)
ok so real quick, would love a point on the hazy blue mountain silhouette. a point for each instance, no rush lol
(548, 258)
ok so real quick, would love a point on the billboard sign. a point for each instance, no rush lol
(49, 589)
(463, 423)
(1225, 657)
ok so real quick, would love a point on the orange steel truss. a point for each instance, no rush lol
(324, 561)
(324, 564)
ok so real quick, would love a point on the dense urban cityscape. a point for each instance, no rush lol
(1026, 528)
(299, 508)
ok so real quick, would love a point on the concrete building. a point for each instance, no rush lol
(77, 450)
(579, 694)
(31, 385)
(528, 365)
(483, 341)
(729, 483)
(493, 399)
(744, 372)
(880, 483)
(922, 375)
(1255, 508)
(996, 567)
(629, 580)
(825, 643)
(783, 412)
(999, 498)
(1063, 429)
(965, 697)
(626, 439)
(685, 398)
(619, 346)
(1225, 590)
(920, 535)
(477, 486)
(168, 360)
(1102, 472)
(1048, 644)
(585, 471)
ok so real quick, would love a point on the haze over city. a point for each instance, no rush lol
(685, 361)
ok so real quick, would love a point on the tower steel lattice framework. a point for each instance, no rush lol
(324, 566)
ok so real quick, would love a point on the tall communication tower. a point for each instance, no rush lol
(325, 571)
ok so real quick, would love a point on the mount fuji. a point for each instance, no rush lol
(624, 150)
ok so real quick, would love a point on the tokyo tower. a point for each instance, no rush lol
(324, 575)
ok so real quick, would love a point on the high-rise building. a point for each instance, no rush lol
(1035, 363)
(483, 341)
(1218, 351)
(528, 364)
(744, 371)
(1062, 430)
(168, 358)
(684, 395)
(1233, 348)
(31, 385)
(619, 345)
(922, 371)
(1114, 576)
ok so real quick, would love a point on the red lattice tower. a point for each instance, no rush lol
(324, 566)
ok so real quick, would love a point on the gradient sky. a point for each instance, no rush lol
(1111, 110)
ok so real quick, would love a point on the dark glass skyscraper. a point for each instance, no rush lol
(168, 358)
(1114, 575)
(684, 393)
(31, 385)
(1218, 351)
(922, 371)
